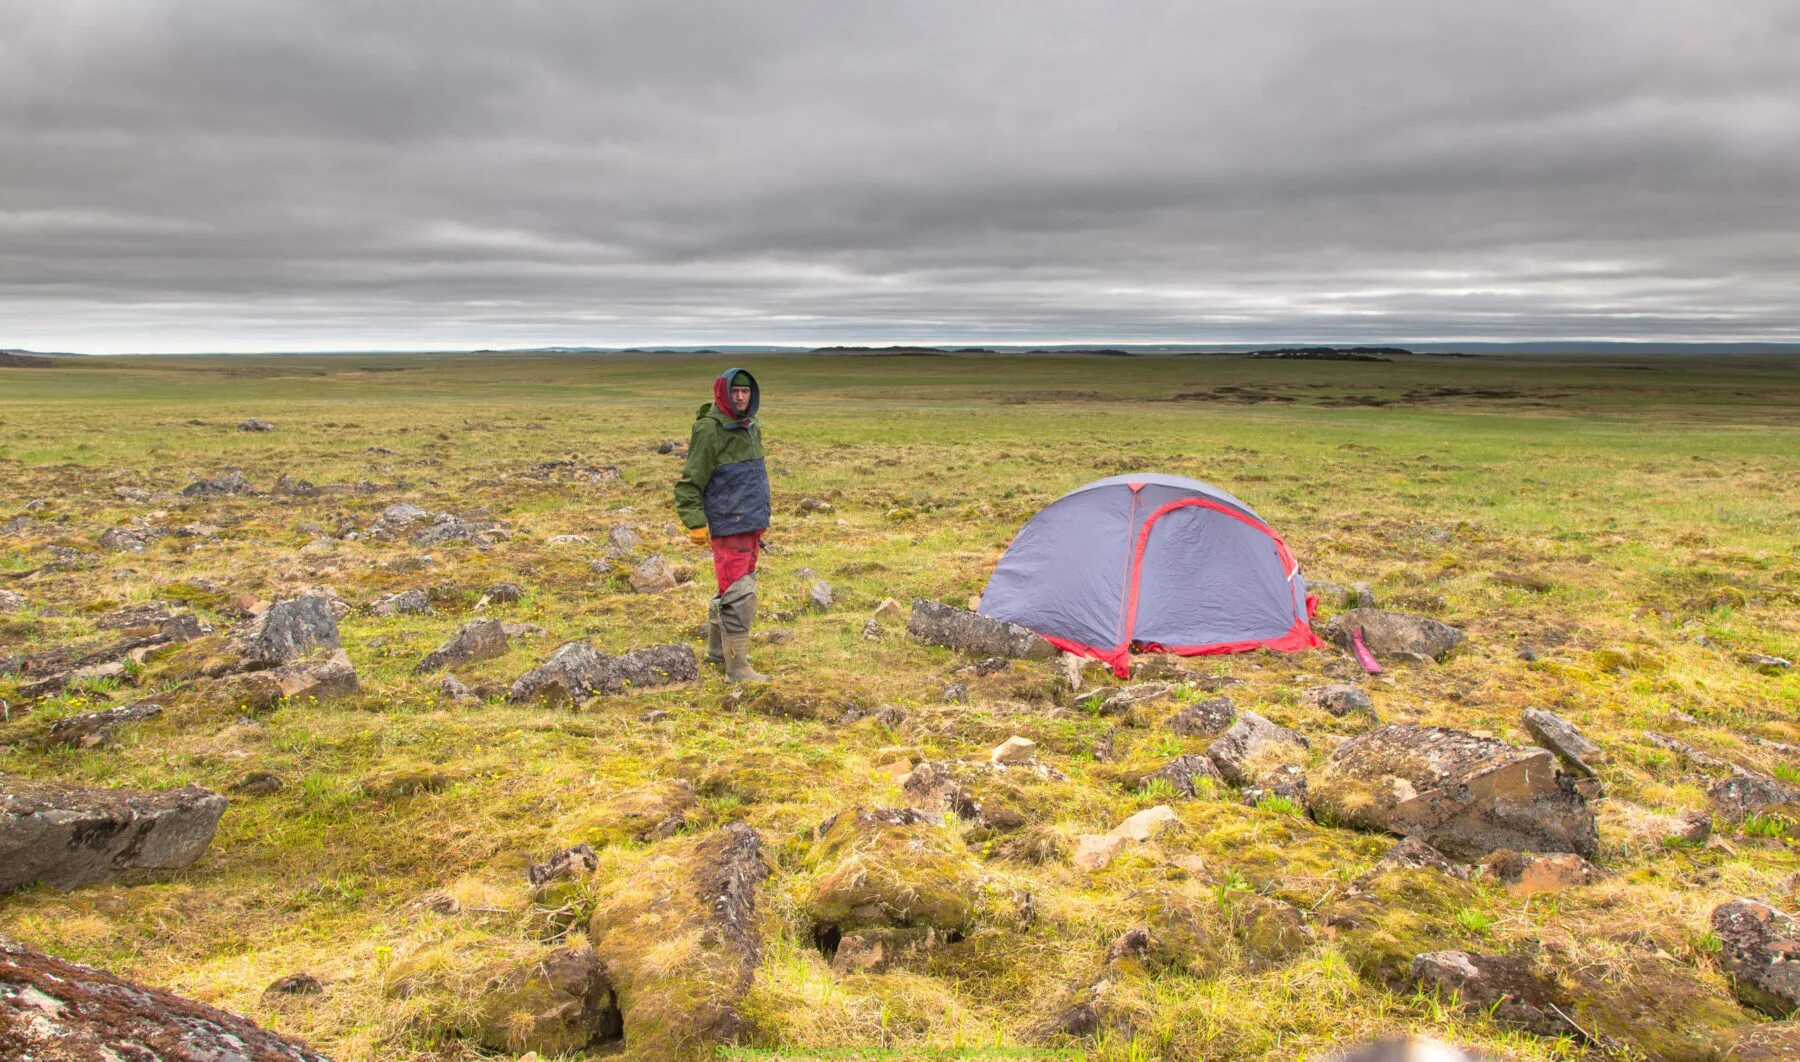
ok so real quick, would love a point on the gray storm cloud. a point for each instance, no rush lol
(244, 174)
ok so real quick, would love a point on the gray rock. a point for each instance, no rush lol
(956, 693)
(1743, 793)
(819, 595)
(1287, 781)
(398, 516)
(68, 835)
(1394, 633)
(481, 640)
(1759, 948)
(503, 593)
(448, 527)
(91, 729)
(1125, 698)
(623, 538)
(938, 624)
(255, 424)
(1340, 699)
(227, 483)
(653, 576)
(568, 863)
(52, 1010)
(1766, 662)
(126, 539)
(404, 603)
(317, 680)
(12, 601)
(1559, 736)
(1205, 718)
(1361, 595)
(295, 488)
(1465, 795)
(288, 630)
(577, 671)
(454, 689)
(1183, 772)
(1503, 985)
(1253, 745)
(1412, 853)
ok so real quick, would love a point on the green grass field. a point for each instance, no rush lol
(1634, 521)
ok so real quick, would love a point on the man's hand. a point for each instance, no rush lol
(698, 536)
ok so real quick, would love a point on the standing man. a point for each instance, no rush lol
(723, 499)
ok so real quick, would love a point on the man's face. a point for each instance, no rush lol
(740, 397)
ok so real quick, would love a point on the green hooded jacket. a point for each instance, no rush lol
(724, 485)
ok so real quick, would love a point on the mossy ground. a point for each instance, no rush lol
(1649, 501)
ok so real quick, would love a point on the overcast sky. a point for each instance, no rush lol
(316, 174)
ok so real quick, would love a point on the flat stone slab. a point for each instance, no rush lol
(939, 624)
(1465, 795)
(68, 835)
(52, 1010)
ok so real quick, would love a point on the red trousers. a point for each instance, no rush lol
(734, 556)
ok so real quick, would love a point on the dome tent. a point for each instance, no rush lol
(1155, 563)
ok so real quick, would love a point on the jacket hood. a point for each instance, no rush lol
(722, 399)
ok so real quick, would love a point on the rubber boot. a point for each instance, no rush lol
(715, 635)
(737, 607)
(737, 660)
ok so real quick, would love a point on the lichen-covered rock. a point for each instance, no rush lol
(1465, 795)
(1093, 851)
(1528, 874)
(1410, 852)
(1204, 719)
(288, 630)
(13, 601)
(652, 576)
(1394, 633)
(315, 680)
(126, 539)
(225, 483)
(1743, 793)
(1340, 699)
(1769, 1041)
(92, 729)
(558, 1003)
(1122, 700)
(1186, 774)
(56, 1011)
(577, 671)
(1560, 736)
(697, 902)
(480, 640)
(1760, 950)
(939, 624)
(69, 835)
(1253, 746)
(448, 527)
(1504, 986)
(404, 603)
(568, 863)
